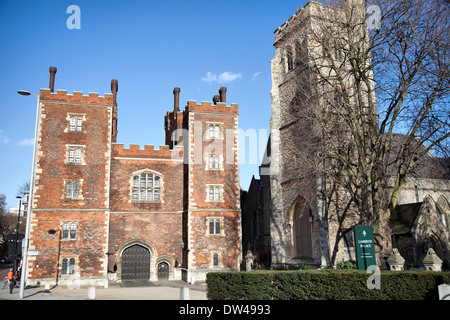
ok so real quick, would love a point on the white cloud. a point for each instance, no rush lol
(26, 142)
(228, 77)
(256, 74)
(3, 140)
(221, 78)
(210, 77)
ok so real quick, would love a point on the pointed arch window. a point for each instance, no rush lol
(290, 58)
(215, 259)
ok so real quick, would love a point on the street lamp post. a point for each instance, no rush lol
(15, 266)
(26, 240)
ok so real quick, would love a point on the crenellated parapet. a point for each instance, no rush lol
(118, 150)
(206, 106)
(76, 97)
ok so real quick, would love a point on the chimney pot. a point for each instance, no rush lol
(114, 89)
(52, 78)
(223, 94)
(176, 99)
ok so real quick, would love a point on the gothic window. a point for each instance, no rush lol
(71, 155)
(337, 97)
(213, 162)
(79, 124)
(298, 55)
(216, 259)
(78, 155)
(69, 230)
(73, 230)
(214, 226)
(301, 57)
(72, 123)
(65, 231)
(72, 189)
(290, 58)
(74, 155)
(215, 193)
(217, 131)
(76, 123)
(146, 187)
(68, 266)
(214, 131)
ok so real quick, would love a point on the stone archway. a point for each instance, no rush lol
(136, 263)
(136, 260)
(301, 222)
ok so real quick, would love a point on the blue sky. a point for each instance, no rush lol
(150, 47)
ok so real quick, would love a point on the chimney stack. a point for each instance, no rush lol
(216, 99)
(114, 89)
(51, 85)
(176, 100)
(223, 94)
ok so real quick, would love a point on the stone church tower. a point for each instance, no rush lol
(299, 223)
(293, 214)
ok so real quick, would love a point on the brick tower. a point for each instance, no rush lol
(69, 225)
(208, 133)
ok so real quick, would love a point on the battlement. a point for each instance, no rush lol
(310, 9)
(118, 150)
(76, 97)
(206, 106)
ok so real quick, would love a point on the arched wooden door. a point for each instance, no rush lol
(302, 230)
(136, 263)
(163, 271)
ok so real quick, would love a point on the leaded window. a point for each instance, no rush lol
(147, 187)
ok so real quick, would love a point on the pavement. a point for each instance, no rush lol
(161, 290)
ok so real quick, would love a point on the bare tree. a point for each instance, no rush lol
(383, 92)
(23, 188)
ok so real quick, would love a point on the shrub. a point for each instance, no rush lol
(349, 264)
(323, 285)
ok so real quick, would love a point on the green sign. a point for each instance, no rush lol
(364, 247)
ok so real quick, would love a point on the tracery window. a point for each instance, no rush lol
(146, 187)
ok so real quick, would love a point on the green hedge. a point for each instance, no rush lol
(324, 285)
